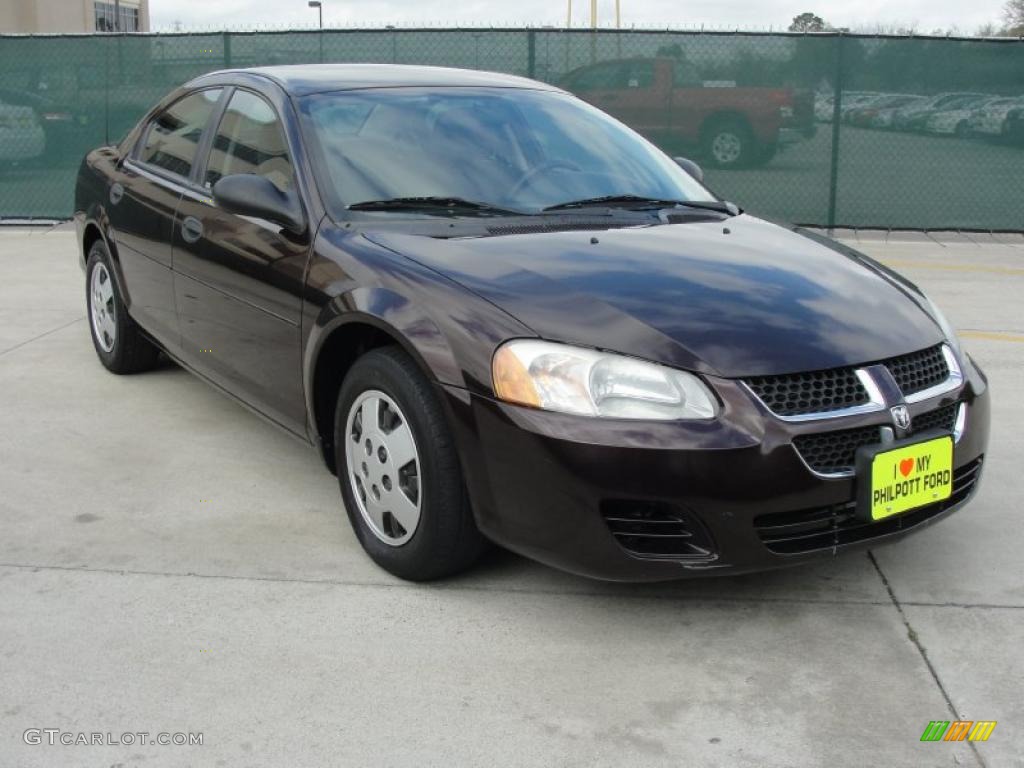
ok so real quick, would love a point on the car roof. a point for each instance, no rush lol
(305, 79)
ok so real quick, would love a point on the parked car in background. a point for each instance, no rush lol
(990, 120)
(885, 118)
(824, 106)
(21, 135)
(855, 100)
(914, 116)
(1013, 124)
(954, 120)
(665, 100)
(865, 114)
(61, 125)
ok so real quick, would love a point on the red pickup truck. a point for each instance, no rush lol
(665, 100)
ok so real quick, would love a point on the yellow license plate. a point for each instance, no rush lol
(911, 476)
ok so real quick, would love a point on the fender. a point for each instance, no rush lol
(392, 314)
(449, 331)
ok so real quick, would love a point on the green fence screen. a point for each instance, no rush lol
(829, 130)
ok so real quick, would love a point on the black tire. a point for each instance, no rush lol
(446, 539)
(131, 351)
(728, 142)
(963, 131)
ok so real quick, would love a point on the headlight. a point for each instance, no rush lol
(558, 377)
(947, 329)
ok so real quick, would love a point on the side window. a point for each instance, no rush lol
(172, 139)
(684, 75)
(250, 139)
(600, 77)
(641, 74)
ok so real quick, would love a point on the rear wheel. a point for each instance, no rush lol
(728, 142)
(119, 343)
(399, 472)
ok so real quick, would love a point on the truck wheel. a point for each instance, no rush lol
(728, 143)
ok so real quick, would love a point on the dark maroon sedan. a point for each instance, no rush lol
(500, 314)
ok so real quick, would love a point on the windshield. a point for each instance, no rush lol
(516, 149)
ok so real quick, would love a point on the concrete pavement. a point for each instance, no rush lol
(171, 563)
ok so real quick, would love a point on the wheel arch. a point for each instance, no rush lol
(349, 327)
(94, 228)
(724, 116)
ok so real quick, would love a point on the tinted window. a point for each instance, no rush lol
(684, 75)
(640, 74)
(173, 138)
(250, 140)
(518, 149)
(603, 76)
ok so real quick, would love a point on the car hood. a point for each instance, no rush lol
(733, 298)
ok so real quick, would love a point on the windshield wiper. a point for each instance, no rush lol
(641, 201)
(431, 204)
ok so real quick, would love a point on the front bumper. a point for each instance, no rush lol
(542, 484)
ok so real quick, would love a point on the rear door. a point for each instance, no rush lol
(238, 280)
(143, 200)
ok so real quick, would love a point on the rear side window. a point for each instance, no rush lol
(250, 139)
(172, 138)
(612, 75)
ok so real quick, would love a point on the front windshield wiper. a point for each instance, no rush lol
(639, 200)
(432, 204)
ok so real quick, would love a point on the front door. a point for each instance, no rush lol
(238, 280)
(142, 203)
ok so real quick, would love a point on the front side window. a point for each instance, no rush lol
(516, 149)
(172, 139)
(250, 139)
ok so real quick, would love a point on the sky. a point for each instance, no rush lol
(922, 15)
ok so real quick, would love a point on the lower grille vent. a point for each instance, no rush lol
(790, 533)
(655, 529)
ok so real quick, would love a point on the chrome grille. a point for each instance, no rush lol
(919, 370)
(814, 392)
(836, 389)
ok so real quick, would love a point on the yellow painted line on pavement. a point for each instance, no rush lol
(992, 335)
(896, 263)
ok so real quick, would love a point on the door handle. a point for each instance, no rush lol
(191, 229)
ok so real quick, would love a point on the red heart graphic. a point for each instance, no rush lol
(906, 467)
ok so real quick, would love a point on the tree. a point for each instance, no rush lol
(810, 22)
(1014, 13)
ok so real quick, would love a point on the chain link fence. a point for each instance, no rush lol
(830, 130)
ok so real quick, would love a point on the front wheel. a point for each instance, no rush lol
(399, 472)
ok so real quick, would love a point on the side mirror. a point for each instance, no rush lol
(690, 167)
(249, 195)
